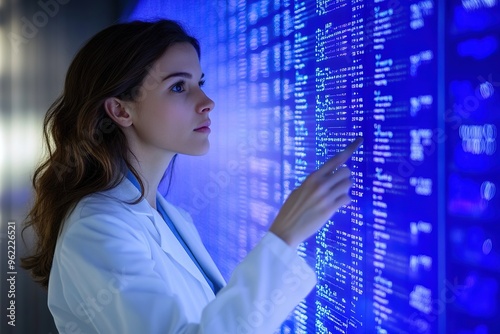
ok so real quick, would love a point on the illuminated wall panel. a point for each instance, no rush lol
(294, 82)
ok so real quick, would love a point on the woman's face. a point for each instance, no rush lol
(171, 112)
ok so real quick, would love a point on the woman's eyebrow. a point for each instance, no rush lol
(181, 74)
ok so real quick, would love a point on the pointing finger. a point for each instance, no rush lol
(341, 157)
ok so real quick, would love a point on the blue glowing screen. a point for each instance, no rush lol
(418, 248)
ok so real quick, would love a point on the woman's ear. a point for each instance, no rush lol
(117, 112)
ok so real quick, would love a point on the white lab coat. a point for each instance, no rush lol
(118, 268)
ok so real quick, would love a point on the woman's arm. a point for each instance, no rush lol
(103, 272)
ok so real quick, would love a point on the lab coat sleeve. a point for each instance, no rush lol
(262, 291)
(112, 287)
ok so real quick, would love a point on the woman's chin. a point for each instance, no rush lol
(200, 151)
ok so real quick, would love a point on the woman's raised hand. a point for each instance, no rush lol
(309, 206)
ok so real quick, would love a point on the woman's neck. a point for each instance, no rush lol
(151, 172)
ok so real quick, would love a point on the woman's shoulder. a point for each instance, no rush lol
(118, 204)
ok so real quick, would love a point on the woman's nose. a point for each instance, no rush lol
(207, 104)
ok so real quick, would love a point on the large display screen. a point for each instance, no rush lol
(418, 248)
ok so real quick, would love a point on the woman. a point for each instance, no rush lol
(120, 258)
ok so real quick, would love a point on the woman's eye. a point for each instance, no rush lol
(201, 83)
(178, 87)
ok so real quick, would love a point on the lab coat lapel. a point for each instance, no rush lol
(127, 192)
(190, 235)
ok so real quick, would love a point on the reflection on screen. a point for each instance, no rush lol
(417, 250)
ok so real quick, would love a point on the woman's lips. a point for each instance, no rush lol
(204, 127)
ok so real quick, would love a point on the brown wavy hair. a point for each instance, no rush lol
(87, 152)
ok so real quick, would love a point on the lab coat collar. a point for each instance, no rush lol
(126, 191)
